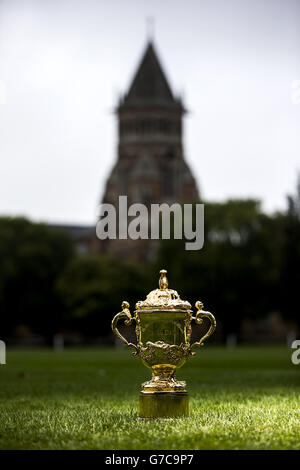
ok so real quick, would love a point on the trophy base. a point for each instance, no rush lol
(160, 405)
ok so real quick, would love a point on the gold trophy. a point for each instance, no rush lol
(163, 330)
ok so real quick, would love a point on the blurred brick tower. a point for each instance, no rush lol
(150, 167)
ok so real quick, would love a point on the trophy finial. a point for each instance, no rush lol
(163, 281)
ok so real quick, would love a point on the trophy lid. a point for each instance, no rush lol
(163, 298)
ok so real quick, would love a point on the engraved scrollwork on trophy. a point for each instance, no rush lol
(169, 353)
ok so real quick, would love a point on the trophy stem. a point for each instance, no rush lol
(164, 380)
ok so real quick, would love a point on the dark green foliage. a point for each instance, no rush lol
(237, 272)
(92, 289)
(249, 266)
(31, 257)
(290, 278)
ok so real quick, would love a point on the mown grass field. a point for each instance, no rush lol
(245, 398)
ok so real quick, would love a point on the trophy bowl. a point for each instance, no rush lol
(163, 331)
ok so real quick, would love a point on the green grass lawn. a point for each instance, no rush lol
(245, 398)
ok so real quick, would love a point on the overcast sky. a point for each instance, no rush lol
(64, 62)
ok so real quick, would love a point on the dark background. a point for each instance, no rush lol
(247, 274)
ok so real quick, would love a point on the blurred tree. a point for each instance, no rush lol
(92, 289)
(248, 267)
(31, 257)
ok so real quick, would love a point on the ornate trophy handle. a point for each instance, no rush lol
(128, 320)
(199, 320)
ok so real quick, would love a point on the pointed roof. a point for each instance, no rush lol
(150, 85)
